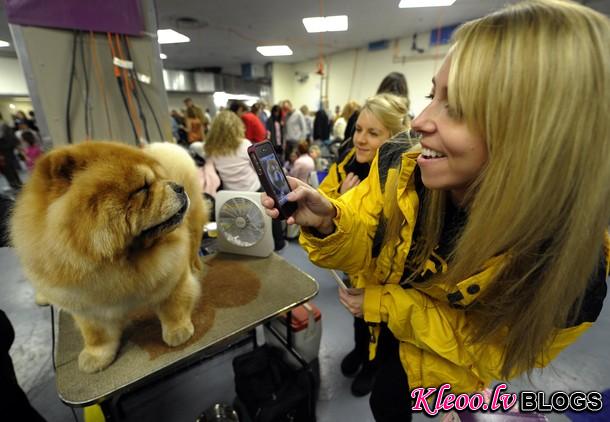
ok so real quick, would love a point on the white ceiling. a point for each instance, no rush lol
(226, 32)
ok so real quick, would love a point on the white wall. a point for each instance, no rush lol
(12, 81)
(282, 82)
(355, 74)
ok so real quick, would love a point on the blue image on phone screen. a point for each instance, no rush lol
(276, 177)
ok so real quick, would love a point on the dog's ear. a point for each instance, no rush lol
(58, 167)
(61, 164)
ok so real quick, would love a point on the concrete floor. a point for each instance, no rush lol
(584, 366)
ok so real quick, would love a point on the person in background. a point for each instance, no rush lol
(31, 149)
(258, 109)
(194, 126)
(188, 102)
(179, 128)
(9, 165)
(394, 83)
(306, 161)
(255, 131)
(208, 121)
(349, 109)
(491, 247)
(32, 119)
(296, 127)
(289, 163)
(308, 123)
(321, 125)
(382, 117)
(275, 132)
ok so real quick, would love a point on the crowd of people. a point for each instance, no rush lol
(475, 235)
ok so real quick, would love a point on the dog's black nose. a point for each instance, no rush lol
(177, 188)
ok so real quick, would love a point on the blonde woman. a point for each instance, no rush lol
(383, 116)
(340, 124)
(227, 148)
(491, 246)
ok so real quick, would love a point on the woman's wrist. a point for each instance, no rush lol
(327, 226)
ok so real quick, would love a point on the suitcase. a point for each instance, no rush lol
(305, 329)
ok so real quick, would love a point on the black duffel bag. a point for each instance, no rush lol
(272, 391)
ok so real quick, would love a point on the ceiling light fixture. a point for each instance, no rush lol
(163, 56)
(169, 36)
(425, 3)
(274, 50)
(4, 44)
(326, 24)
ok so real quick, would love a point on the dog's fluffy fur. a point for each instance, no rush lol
(105, 231)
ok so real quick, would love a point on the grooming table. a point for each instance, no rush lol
(282, 287)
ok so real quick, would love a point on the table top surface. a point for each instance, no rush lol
(282, 287)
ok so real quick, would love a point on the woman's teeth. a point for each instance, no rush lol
(430, 153)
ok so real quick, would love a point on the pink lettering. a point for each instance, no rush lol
(476, 401)
(507, 403)
(494, 405)
(448, 402)
(461, 402)
(421, 400)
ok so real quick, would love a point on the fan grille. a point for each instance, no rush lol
(241, 222)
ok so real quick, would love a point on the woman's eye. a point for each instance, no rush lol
(430, 96)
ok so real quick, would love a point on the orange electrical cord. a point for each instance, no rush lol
(117, 74)
(100, 79)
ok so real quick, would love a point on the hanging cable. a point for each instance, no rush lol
(70, 85)
(117, 75)
(99, 76)
(88, 133)
(139, 85)
(133, 87)
(126, 83)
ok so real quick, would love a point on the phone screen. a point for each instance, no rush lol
(276, 177)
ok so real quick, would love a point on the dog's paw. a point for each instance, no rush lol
(178, 334)
(91, 361)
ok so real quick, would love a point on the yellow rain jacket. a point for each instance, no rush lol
(429, 321)
(336, 175)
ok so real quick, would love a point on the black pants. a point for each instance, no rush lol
(14, 401)
(390, 399)
(362, 336)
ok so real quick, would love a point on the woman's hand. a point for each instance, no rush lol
(352, 299)
(351, 180)
(314, 210)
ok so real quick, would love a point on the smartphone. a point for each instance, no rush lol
(272, 177)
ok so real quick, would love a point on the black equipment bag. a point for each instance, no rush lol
(270, 390)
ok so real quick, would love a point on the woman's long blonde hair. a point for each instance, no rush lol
(391, 111)
(225, 135)
(533, 80)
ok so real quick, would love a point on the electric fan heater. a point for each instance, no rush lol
(243, 226)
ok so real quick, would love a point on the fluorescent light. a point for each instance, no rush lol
(163, 56)
(326, 23)
(274, 50)
(4, 44)
(425, 3)
(169, 36)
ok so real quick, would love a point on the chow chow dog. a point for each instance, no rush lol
(106, 231)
